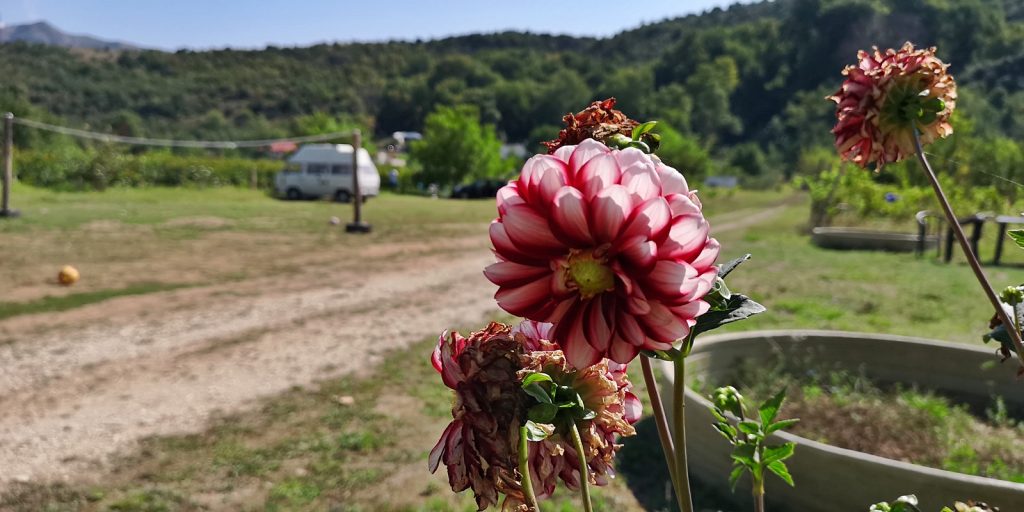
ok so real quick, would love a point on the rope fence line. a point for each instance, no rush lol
(201, 144)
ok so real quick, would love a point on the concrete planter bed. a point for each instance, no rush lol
(832, 479)
(869, 240)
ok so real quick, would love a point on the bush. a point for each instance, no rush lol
(71, 168)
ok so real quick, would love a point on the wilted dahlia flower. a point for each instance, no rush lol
(480, 446)
(605, 390)
(610, 246)
(599, 121)
(884, 96)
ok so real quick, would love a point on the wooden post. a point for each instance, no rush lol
(8, 177)
(254, 181)
(357, 225)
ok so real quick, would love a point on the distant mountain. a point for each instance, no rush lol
(44, 33)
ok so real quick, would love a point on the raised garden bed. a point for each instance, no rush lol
(844, 238)
(831, 478)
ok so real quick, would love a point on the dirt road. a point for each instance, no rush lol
(80, 385)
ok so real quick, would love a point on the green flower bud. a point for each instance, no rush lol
(1012, 295)
(728, 399)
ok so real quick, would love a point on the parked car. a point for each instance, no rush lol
(318, 170)
(478, 189)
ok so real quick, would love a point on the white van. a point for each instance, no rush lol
(318, 170)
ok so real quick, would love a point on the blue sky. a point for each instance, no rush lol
(256, 23)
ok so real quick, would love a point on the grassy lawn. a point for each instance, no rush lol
(319, 450)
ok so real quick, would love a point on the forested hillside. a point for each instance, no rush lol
(745, 84)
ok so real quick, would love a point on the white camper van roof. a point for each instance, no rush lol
(328, 154)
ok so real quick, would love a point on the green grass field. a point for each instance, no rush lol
(305, 450)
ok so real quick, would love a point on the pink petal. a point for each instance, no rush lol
(564, 153)
(572, 339)
(505, 248)
(611, 208)
(507, 273)
(634, 409)
(661, 325)
(681, 204)
(691, 309)
(584, 152)
(549, 175)
(686, 238)
(528, 228)
(623, 352)
(641, 254)
(598, 325)
(671, 279)
(599, 173)
(648, 220)
(570, 214)
(672, 181)
(519, 300)
(507, 196)
(706, 258)
(640, 178)
(629, 329)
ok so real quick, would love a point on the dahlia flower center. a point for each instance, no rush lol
(591, 274)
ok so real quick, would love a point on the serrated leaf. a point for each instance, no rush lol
(538, 393)
(781, 425)
(725, 268)
(1017, 235)
(749, 428)
(538, 432)
(734, 476)
(740, 307)
(779, 468)
(641, 129)
(542, 413)
(774, 453)
(770, 408)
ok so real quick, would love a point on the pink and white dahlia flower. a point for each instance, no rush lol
(611, 246)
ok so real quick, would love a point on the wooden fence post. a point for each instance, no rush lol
(8, 175)
(357, 225)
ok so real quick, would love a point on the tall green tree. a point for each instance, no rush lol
(456, 147)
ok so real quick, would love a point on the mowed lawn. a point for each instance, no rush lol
(360, 443)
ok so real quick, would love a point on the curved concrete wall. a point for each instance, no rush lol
(832, 479)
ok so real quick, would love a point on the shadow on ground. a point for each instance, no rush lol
(642, 465)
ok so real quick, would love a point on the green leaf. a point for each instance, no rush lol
(587, 414)
(770, 408)
(542, 413)
(727, 431)
(781, 425)
(537, 432)
(725, 268)
(536, 377)
(774, 453)
(1017, 235)
(641, 129)
(744, 454)
(719, 295)
(642, 146)
(749, 428)
(735, 475)
(538, 393)
(779, 468)
(740, 307)
(880, 507)
(665, 355)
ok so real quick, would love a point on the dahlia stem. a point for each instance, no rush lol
(524, 470)
(972, 258)
(661, 420)
(679, 424)
(584, 467)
